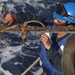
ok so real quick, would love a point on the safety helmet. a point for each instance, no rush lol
(65, 12)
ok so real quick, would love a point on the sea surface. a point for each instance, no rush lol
(15, 58)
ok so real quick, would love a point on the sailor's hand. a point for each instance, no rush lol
(45, 39)
(10, 18)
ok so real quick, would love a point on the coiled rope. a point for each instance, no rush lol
(25, 31)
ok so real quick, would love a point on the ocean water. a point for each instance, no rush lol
(15, 58)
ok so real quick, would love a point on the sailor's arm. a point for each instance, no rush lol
(45, 39)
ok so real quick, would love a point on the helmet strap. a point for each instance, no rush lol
(68, 23)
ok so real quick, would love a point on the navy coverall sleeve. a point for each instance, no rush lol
(54, 58)
(22, 17)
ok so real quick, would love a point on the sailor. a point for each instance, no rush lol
(21, 17)
(51, 52)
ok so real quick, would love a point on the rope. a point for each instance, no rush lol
(33, 64)
(6, 30)
(4, 38)
(3, 13)
(35, 22)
